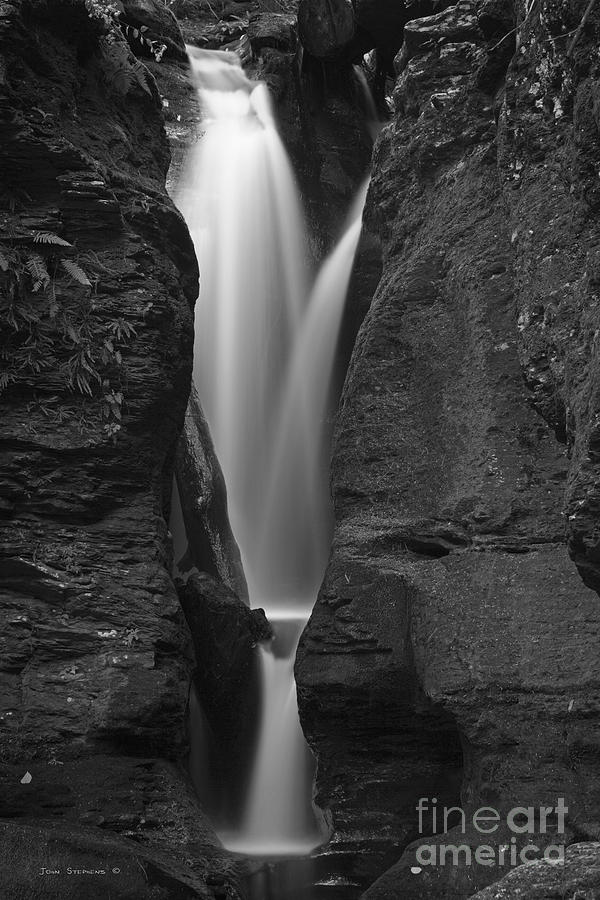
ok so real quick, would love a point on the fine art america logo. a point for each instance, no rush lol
(520, 821)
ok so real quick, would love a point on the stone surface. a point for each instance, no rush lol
(345, 31)
(578, 877)
(227, 683)
(458, 862)
(159, 23)
(276, 30)
(549, 129)
(326, 27)
(92, 614)
(138, 814)
(452, 631)
(203, 498)
(46, 860)
(96, 654)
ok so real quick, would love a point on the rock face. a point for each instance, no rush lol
(549, 134)
(453, 632)
(227, 685)
(98, 283)
(326, 27)
(203, 498)
(579, 877)
(159, 26)
(343, 30)
(138, 816)
(94, 635)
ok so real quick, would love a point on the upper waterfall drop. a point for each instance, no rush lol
(241, 205)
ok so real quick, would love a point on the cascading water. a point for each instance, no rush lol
(263, 365)
(240, 203)
(372, 117)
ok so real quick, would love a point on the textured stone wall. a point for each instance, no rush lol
(451, 614)
(96, 657)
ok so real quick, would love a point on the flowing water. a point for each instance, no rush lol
(241, 206)
(372, 117)
(263, 364)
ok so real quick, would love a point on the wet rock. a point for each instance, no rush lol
(549, 115)
(26, 577)
(142, 797)
(96, 660)
(452, 631)
(261, 627)
(203, 498)
(458, 862)
(84, 580)
(50, 860)
(159, 25)
(459, 23)
(346, 31)
(365, 277)
(276, 30)
(382, 22)
(325, 27)
(578, 877)
(138, 815)
(225, 633)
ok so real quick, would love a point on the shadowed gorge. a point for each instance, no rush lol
(298, 450)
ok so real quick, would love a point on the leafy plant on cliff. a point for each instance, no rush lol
(104, 12)
(49, 328)
(122, 72)
(139, 34)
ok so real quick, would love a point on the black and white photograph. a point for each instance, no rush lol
(299, 450)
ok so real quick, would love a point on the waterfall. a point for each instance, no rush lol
(279, 817)
(240, 203)
(263, 363)
(372, 118)
(296, 525)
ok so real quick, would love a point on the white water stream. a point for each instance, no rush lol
(263, 365)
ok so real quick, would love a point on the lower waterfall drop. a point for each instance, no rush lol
(263, 368)
(279, 819)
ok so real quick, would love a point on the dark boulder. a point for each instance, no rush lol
(275, 30)
(159, 24)
(326, 27)
(46, 860)
(579, 876)
(203, 498)
(341, 30)
(226, 679)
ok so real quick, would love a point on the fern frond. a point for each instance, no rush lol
(73, 334)
(47, 237)
(36, 267)
(53, 306)
(6, 378)
(76, 272)
(140, 73)
(83, 384)
(124, 79)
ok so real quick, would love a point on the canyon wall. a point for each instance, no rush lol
(454, 644)
(98, 284)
